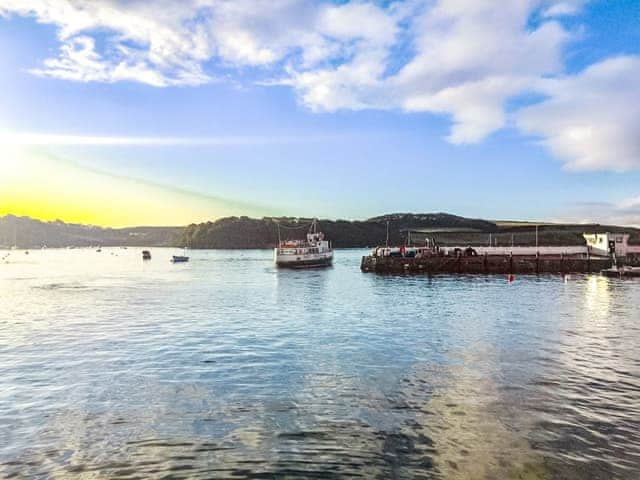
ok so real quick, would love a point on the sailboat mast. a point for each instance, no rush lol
(387, 241)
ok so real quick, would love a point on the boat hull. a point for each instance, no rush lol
(625, 272)
(304, 261)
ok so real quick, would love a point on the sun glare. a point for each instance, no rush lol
(36, 184)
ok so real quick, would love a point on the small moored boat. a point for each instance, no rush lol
(621, 272)
(146, 255)
(180, 258)
(315, 251)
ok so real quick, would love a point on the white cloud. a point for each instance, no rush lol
(632, 203)
(148, 42)
(562, 8)
(358, 21)
(469, 59)
(473, 58)
(591, 120)
(168, 43)
(459, 58)
(625, 212)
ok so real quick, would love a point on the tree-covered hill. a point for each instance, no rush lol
(26, 232)
(244, 232)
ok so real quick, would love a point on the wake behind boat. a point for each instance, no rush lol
(315, 251)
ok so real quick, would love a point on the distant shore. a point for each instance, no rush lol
(252, 233)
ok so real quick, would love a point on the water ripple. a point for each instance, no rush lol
(228, 368)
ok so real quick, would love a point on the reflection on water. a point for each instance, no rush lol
(228, 368)
(472, 431)
(597, 297)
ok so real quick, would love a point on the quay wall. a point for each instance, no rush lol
(486, 264)
(632, 259)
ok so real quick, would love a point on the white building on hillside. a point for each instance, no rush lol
(603, 243)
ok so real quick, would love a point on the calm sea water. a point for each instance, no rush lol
(225, 367)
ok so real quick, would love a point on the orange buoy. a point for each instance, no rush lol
(511, 277)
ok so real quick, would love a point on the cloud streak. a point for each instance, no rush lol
(625, 212)
(44, 139)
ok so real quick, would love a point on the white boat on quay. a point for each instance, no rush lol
(312, 252)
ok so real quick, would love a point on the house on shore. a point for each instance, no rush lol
(606, 243)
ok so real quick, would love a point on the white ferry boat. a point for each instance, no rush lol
(315, 251)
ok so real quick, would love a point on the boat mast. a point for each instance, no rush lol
(387, 243)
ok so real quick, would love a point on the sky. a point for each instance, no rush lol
(128, 112)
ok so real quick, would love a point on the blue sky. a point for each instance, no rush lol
(349, 110)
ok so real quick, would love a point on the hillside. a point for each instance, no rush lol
(26, 232)
(245, 233)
